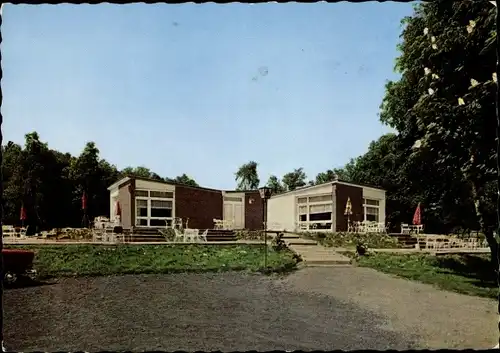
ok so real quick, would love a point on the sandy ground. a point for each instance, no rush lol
(311, 309)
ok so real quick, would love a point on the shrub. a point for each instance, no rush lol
(344, 239)
(278, 243)
(249, 234)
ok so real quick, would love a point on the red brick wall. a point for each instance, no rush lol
(253, 211)
(342, 193)
(199, 205)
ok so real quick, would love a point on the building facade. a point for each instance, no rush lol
(322, 207)
(154, 204)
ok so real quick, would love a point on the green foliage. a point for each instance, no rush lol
(88, 260)
(295, 179)
(185, 180)
(466, 274)
(350, 240)
(278, 243)
(141, 172)
(247, 176)
(325, 177)
(50, 184)
(276, 185)
(443, 109)
(249, 234)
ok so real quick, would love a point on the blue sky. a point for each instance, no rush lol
(201, 89)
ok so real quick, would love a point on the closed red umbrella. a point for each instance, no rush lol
(417, 217)
(23, 217)
(84, 201)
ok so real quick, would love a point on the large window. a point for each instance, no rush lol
(154, 208)
(371, 210)
(315, 212)
(141, 213)
(161, 209)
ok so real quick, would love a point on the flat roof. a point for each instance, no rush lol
(125, 179)
(309, 187)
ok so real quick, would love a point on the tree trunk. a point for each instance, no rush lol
(487, 229)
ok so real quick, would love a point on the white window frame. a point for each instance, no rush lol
(365, 206)
(148, 218)
(308, 223)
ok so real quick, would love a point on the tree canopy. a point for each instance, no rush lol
(247, 176)
(49, 184)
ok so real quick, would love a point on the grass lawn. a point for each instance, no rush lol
(466, 274)
(99, 260)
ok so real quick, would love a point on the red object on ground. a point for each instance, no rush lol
(17, 261)
(23, 217)
(84, 201)
(417, 217)
(118, 209)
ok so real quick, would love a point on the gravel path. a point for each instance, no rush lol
(312, 309)
(441, 319)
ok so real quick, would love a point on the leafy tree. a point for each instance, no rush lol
(325, 177)
(275, 184)
(50, 184)
(140, 172)
(247, 176)
(443, 106)
(185, 180)
(295, 179)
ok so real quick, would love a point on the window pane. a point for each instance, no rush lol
(320, 198)
(157, 223)
(141, 203)
(372, 202)
(326, 216)
(320, 208)
(302, 200)
(142, 212)
(161, 212)
(322, 225)
(141, 193)
(302, 209)
(372, 210)
(141, 222)
(161, 204)
(372, 218)
(303, 218)
(162, 194)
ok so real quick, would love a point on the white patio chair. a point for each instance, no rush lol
(190, 235)
(203, 236)
(178, 236)
(23, 231)
(97, 235)
(8, 231)
(177, 223)
(405, 228)
(217, 223)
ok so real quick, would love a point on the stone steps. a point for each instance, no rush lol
(316, 255)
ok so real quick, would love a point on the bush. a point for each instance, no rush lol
(351, 240)
(278, 243)
(73, 234)
(249, 235)
(169, 234)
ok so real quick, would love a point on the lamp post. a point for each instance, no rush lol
(265, 193)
